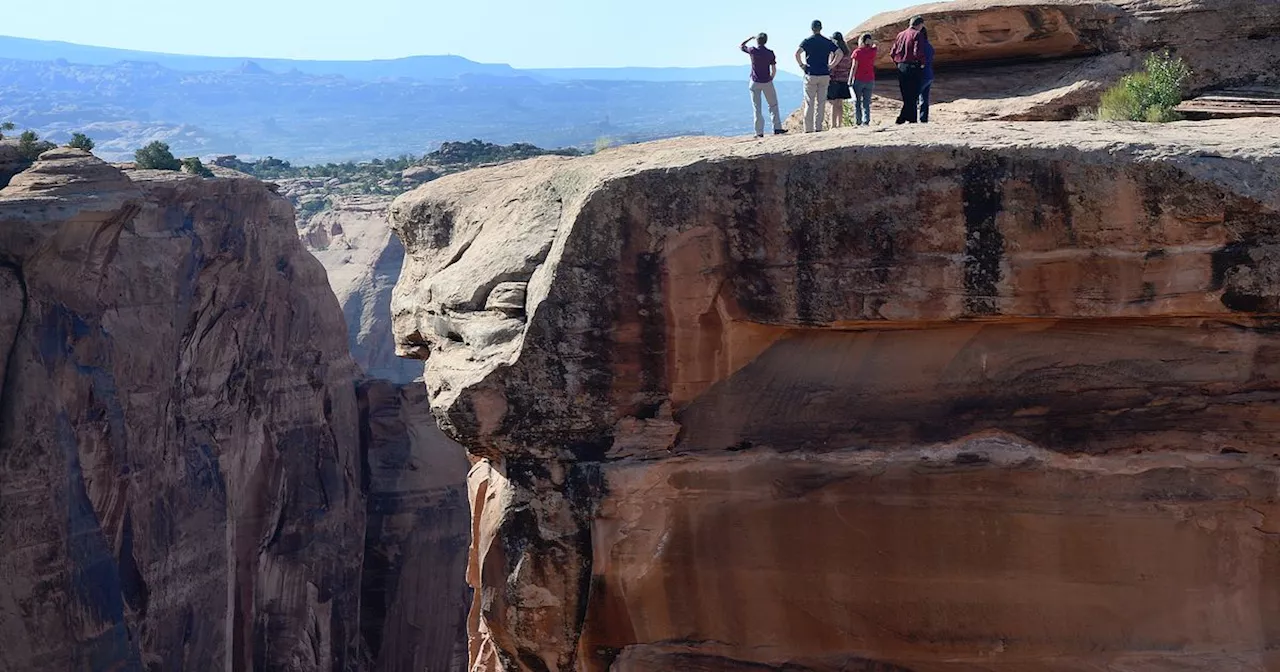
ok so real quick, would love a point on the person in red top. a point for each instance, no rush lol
(908, 53)
(862, 79)
(838, 87)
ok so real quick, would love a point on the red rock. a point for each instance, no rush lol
(1014, 60)
(184, 463)
(984, 396)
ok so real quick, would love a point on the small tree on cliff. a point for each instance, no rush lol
(192, 165)
(30, 146)
(4, 127)
(156, 156)
(81, 141)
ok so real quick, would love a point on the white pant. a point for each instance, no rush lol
(815, 101)
(771, 97)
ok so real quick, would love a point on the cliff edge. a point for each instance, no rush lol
(994, 396)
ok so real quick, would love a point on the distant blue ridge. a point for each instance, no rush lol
(422, 68)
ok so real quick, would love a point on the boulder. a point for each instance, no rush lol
(979, 396)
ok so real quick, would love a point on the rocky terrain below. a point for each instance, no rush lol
(1003, 403)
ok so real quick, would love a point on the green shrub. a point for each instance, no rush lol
(604, 142)
(6, 126)
(192, 165)
(81, 141)
(1150, 95)
(156, 156)
(30, 146)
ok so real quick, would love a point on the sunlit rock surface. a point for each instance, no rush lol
(969, 397)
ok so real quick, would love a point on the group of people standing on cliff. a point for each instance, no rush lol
(834, 70)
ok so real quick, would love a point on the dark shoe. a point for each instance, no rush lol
(900, 122)
(761, 135)
(780, 131)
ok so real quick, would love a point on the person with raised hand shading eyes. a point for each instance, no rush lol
(764, 67)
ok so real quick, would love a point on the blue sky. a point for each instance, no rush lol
(524, 33)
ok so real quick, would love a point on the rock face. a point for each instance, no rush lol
(184, 458)
(352, 239)
(969, 397)
(414, 597)
(1016, 60)
(178, 429)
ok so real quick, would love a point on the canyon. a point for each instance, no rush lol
(993, 394)
(951, 397)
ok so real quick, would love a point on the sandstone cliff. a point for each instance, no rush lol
(179, 429)
(413, 596)
(353, 241)
(974, 397)
(184, 461)
(1012, 59)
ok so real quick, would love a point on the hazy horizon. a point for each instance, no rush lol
(661, 34)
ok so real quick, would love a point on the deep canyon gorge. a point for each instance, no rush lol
(996, 394)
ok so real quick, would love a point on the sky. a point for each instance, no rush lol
(523, 33)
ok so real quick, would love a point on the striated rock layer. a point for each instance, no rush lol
(178, 429)
(413, 597)
(184, 462)
(976, 397)
(1048, 60)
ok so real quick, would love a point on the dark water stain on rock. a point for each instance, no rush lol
(984, 243)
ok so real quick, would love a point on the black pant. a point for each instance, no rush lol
(910, 78)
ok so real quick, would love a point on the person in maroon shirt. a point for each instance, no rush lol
(908, 53)
(764, 67)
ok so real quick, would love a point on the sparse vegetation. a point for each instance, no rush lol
(30, 146)
(5, 127)
(156, 156)
(1151, 95)
(193, 165)
(81, 141)
(603, 143)
(384, 176)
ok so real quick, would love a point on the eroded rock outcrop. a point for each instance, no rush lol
(1017, 60)
(955, 398)
(178, 428)
(184, 458)
(353, 241)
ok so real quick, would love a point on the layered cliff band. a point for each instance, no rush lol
(833, 70)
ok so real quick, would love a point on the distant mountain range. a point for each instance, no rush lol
(322, 111)
(420, 68)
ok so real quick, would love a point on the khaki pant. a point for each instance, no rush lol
(815, 101)
(770, 93)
